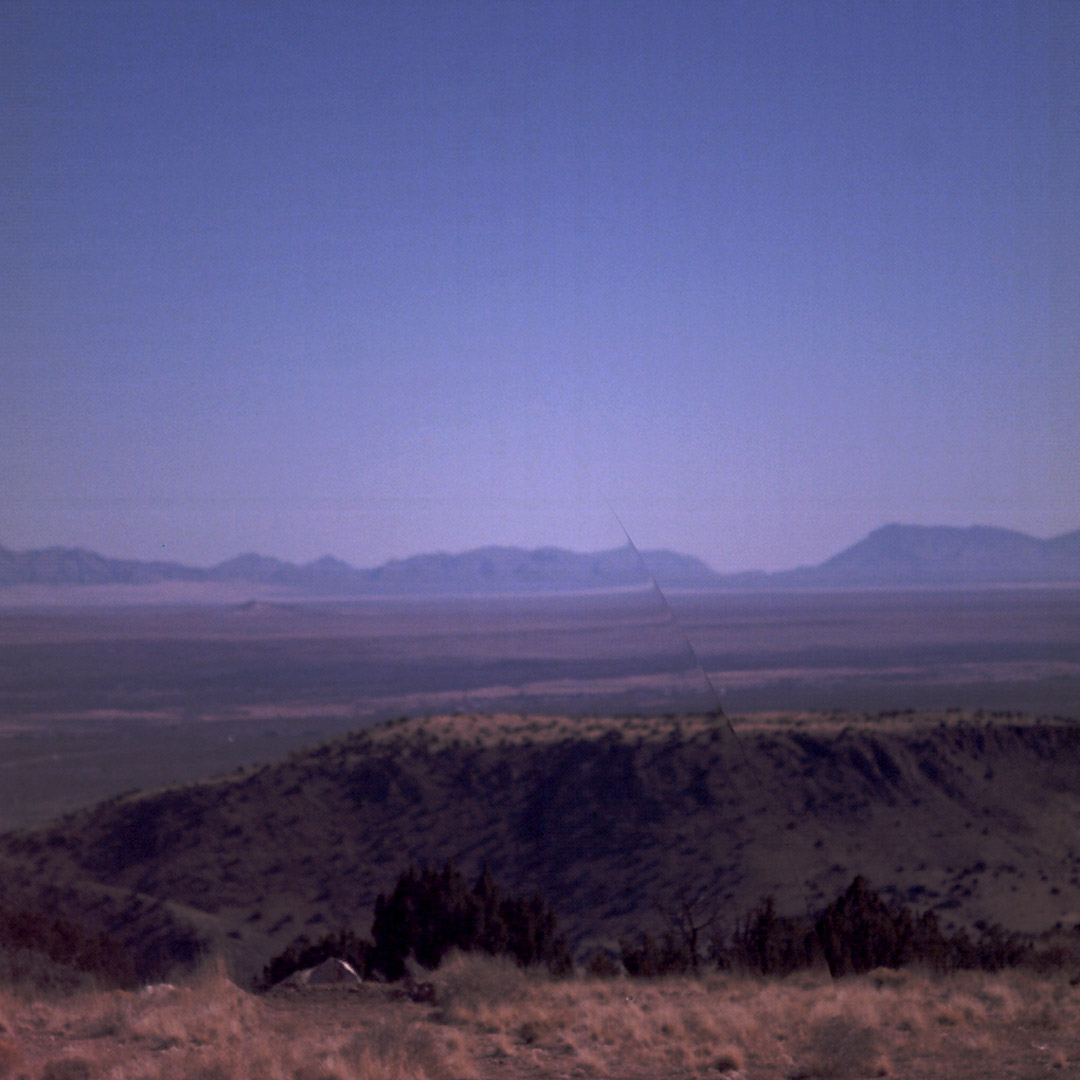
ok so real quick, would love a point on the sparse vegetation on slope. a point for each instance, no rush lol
(608, 818)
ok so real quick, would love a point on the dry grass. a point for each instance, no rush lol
(491, 1019)
(806, 1026)
(211, 1030)
(493, 729)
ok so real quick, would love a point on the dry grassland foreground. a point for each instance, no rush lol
(490, 1020)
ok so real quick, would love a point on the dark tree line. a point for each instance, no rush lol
(428, 913)
(856, 933)
(431, 911)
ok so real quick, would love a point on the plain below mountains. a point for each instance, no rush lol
(892, 556)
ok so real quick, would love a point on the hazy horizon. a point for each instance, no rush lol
(452, 553)
(382, 279)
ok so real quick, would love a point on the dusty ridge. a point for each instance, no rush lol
(519, 729)
(978, 817)
(487, 730)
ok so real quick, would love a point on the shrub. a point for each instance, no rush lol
(859, 933)
(856, 933)
(770, 944)
(648, 957)
(430, 912)
(68, 944)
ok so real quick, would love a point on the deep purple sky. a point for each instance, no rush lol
(372, 279)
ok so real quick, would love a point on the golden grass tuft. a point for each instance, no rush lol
(466, 983)
(403, 1050)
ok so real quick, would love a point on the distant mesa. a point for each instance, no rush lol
(894, 556)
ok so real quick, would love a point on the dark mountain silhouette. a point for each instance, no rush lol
(1067, 545)
(252, 567)
(941, 555)
(509, 569)
(892, 556)
(484, 570)
(75, 566)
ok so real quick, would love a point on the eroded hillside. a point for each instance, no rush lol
(978, 817)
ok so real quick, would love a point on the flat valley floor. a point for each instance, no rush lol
(98, 701)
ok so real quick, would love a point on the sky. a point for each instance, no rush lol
(373, 279)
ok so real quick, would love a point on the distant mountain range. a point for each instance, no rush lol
(485, 571)
(895, 555)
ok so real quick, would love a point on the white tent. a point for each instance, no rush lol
(331, 972)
